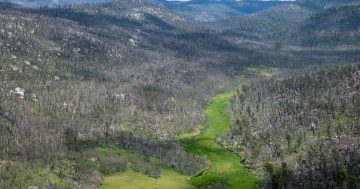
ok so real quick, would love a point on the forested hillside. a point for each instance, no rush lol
(304, 23)
(301, 132)
(209, 10)
(78, 78)
(338, 26)
(317, 5)
(88, 90)
(270, 23)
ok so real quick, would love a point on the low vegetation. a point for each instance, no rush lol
(225, 169)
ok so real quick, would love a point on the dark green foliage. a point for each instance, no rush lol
(70, 138)
(280, 176)
(341, 176)
(269, 168)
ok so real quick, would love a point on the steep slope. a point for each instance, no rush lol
(100, 43)
(304, 130)
(52, 3)
(317, 5)
(332, 27)
(208, 10)
(278, 22)
(87, 76)
(88, 90)
(267, 24)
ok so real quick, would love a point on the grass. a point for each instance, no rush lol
(224, 166)
(134, 180)
(259, 71)
(347, 47)
(197, 131)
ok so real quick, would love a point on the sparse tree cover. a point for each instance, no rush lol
(88, 90)
(309, 123)
(69, 84)
(336, 26)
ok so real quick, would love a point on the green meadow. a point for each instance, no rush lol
(262, 71)
(135, 180)
(224, 167)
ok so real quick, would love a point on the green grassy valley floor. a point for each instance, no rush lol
(224, 166)
(133, 180)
